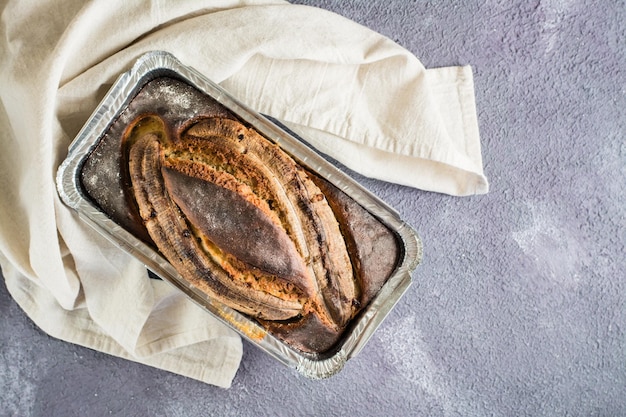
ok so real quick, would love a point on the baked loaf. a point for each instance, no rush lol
(239, 219)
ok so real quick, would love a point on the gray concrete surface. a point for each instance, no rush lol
(519, 307)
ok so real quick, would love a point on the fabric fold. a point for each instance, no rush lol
(418, 130)
(349, 91)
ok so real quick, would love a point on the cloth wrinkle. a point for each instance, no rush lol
(315, 95)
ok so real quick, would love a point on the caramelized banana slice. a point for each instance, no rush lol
(221, 215)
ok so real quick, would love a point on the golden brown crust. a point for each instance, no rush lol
(224, 204)
(170, 231)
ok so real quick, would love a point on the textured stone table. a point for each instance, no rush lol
(519, 307)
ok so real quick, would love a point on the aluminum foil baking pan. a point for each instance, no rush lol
(157, 64)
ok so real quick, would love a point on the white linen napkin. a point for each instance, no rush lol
(351, 92)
